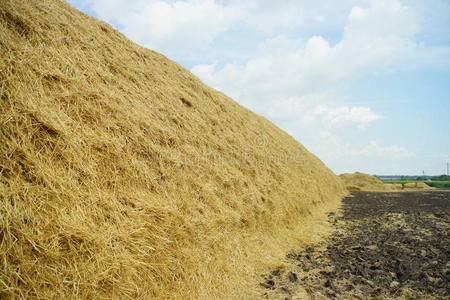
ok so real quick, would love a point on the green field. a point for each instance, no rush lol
(439, 184)
(436, 184)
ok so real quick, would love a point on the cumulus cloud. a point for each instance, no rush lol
(183, 29)
(176, 28)
(171, 26)
(358, 114)
(374, 157)
(288, 67)
(306, 110)
(307, 15)
(393, 152)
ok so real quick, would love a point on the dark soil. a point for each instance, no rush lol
(386, 246)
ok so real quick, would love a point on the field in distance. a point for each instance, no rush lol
(442, 181)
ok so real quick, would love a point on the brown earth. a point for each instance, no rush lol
(386, 246)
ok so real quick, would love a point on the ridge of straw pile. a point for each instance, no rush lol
(122, 176)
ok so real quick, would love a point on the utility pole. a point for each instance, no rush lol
(447, 169)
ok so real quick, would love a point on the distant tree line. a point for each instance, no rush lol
(423, 178)
(441, 178)
(412, 178)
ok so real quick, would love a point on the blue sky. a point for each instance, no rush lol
(363, 84)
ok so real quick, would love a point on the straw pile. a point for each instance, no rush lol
(417, 186)
(122, 176)
(363, 182)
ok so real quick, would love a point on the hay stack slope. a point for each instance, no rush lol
(122, 176)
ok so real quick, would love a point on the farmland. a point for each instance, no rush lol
(404, 258)
(432, 183)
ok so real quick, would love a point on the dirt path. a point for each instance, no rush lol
(386, 246)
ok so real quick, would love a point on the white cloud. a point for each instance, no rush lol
(273, 16)
(185, 29)
(170, 26)
(286, 67)
(341, 114)
(307, 111)
(393, 152)
(176, 28)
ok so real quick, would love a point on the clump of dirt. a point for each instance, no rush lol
(386, 246)
(123, 176)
